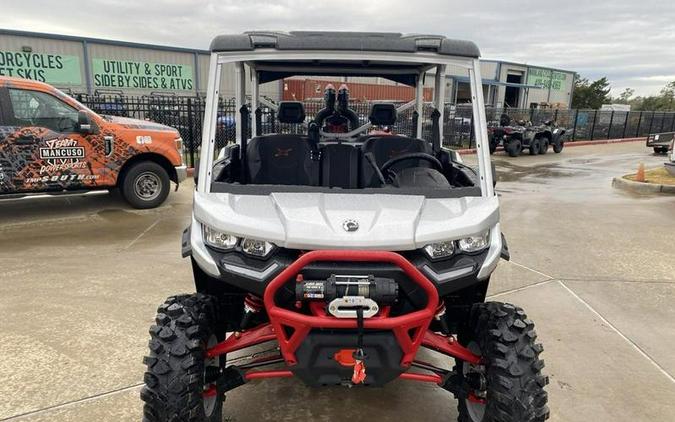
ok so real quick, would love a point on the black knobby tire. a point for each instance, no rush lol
(145, 185)
(494, 143)
(514, 147)
(176, 365)
(543, 147)
(558, 146)
(513, 382)
(534, 146)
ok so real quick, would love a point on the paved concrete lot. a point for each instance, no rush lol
(81, 277)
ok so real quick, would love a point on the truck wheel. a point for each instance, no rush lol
(514, 147)
(543, 147)
(660, 150)
(535, 144)
(177, 384)
(145, 185)
(508, 386)
(558, 146)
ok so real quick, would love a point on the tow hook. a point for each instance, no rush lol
(359, 355)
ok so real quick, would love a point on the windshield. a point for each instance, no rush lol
(331, 133)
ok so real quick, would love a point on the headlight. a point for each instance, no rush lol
(259, 248)
(440, 249)
(474, 243)
(445, 249)
(219, 240)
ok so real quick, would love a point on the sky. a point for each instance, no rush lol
(630, 42)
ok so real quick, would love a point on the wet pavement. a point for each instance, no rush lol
(81, 277)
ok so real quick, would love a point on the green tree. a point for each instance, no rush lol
(665, 101)
(591, 94)
(625, 96)
(668, 95)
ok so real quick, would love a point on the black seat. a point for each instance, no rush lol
(282, 159)
(340, 166)
(291, 112)
(386, 147)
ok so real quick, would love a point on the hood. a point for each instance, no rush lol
(328, 221)
(138, 124)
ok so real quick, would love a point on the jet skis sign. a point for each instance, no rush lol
(62, 154)
(59, 69)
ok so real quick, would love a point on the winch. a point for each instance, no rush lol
(347, 293)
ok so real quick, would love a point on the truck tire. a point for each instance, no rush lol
(512, 386)
(175, 379)
(660, 150)
(145, 185)
(543, 147)
(558, 146)
(535, 144)
(514, 147)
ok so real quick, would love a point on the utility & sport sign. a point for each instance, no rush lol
(141, 75)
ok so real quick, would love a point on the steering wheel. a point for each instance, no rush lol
(386, 167)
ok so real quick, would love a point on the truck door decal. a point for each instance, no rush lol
(39, 159)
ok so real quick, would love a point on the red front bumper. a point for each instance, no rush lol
(290, 328)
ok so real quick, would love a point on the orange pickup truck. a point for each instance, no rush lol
(50, 143)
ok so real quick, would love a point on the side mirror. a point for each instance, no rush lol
(83, 122)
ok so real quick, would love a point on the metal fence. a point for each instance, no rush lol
(186, 114)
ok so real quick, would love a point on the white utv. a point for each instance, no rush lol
(346, 246)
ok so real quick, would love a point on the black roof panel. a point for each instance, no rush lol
(355, 41)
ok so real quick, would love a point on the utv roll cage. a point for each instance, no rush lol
(312, 248)
(406, 59)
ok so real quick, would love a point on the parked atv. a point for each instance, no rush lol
(515, 138)
(346, 248)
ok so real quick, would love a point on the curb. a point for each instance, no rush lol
(641, 187)
(574, 143)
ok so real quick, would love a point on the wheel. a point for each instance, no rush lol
(145, 185)
(543, 147)
(494, 143)
(535, 144)
(508, 386)
(660, 150)
(558, 146)
(176, 381)
(514, 147)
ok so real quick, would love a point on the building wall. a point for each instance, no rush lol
(88, 65)
(554, 86)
